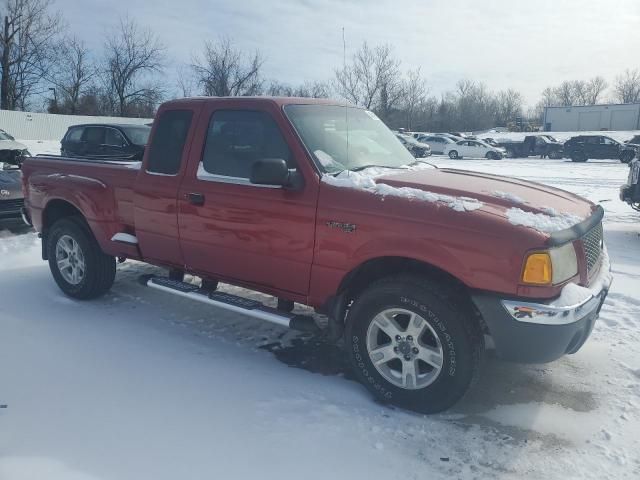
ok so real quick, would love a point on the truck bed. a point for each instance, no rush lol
(101, 189)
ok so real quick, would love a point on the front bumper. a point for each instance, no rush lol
(529, 332)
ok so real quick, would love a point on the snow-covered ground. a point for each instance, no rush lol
(140, 386)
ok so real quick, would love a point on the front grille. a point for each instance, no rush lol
(592, 243)
(11, 206)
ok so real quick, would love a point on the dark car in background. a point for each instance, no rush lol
(533, 145)
(583, 147)
(105, 141)
(417, 149)
(11, 197)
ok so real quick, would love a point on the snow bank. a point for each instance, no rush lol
(366, 182)
(548, 222)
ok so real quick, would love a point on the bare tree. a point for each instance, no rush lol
(132, 54)
(595, 88)
(371, 73)
(627, 87)
(72, 75)
(306, 90)
(185, 81)
(508, 106)
(566, 93)
(225, 71)
(27, 44)
(415, 95)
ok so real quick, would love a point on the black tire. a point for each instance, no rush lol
(579, 157)
(492, 156)
(453, 155)
(100, 268)
(460, 339)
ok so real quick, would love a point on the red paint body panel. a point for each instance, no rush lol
(280, 241)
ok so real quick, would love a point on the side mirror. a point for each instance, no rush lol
(273, 171)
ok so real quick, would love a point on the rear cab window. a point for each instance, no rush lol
(168, 141)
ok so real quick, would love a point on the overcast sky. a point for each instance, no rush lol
(526, 45)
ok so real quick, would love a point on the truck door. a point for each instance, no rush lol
(156, 189)
(233, 229)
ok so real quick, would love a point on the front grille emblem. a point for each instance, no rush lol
(4, 193)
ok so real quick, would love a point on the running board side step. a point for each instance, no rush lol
(233, 303)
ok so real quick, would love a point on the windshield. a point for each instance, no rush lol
(138, 135)
(366, 142)
(5, 136)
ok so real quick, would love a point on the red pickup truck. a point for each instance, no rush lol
(318, 203)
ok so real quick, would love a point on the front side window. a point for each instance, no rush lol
(94, 135)
(345, 138)
(114, 137)
(237, 138)
(138, 135)
(167, 144)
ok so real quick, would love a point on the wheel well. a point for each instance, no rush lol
(372, 270)
(54, 211)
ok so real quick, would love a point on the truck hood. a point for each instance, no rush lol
(497, 195)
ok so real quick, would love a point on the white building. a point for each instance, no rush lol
(624, 116)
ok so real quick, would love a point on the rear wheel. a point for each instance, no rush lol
(492, 156)
(578, 157)
(453, 154)
(77, 263)
(411, 346)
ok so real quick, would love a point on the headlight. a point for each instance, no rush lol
(550, 267)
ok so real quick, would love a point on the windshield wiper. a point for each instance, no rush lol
(364, 167)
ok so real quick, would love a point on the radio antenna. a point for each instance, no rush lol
(346, 108)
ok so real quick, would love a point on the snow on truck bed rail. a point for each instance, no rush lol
(366, 182)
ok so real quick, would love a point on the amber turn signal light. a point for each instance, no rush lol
(537, 269)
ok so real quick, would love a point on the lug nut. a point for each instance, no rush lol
(415, 350)
(395, 349)
(410, 338)
(407, 358)
(398, 337)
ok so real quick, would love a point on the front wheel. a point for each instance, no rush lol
(627, 157)
(453, 155)
(410, 345)
(492, 156)
(77, 263)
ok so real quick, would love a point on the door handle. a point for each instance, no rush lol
(195, 198)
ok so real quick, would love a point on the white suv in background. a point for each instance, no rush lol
(474, 149)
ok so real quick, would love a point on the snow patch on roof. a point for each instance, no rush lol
(366, 182)
(509, 196)
(543, 222)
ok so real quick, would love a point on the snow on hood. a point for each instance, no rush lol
(366, 181)
(548, 222)
(11, 145)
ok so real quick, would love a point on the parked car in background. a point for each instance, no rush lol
(11, 197)
(10, 150)
(633, 141)
(583, 147)
(98, 140)
(473, 149)
(534, 145)
(630, 191)
(417, 149)
(436, 142)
